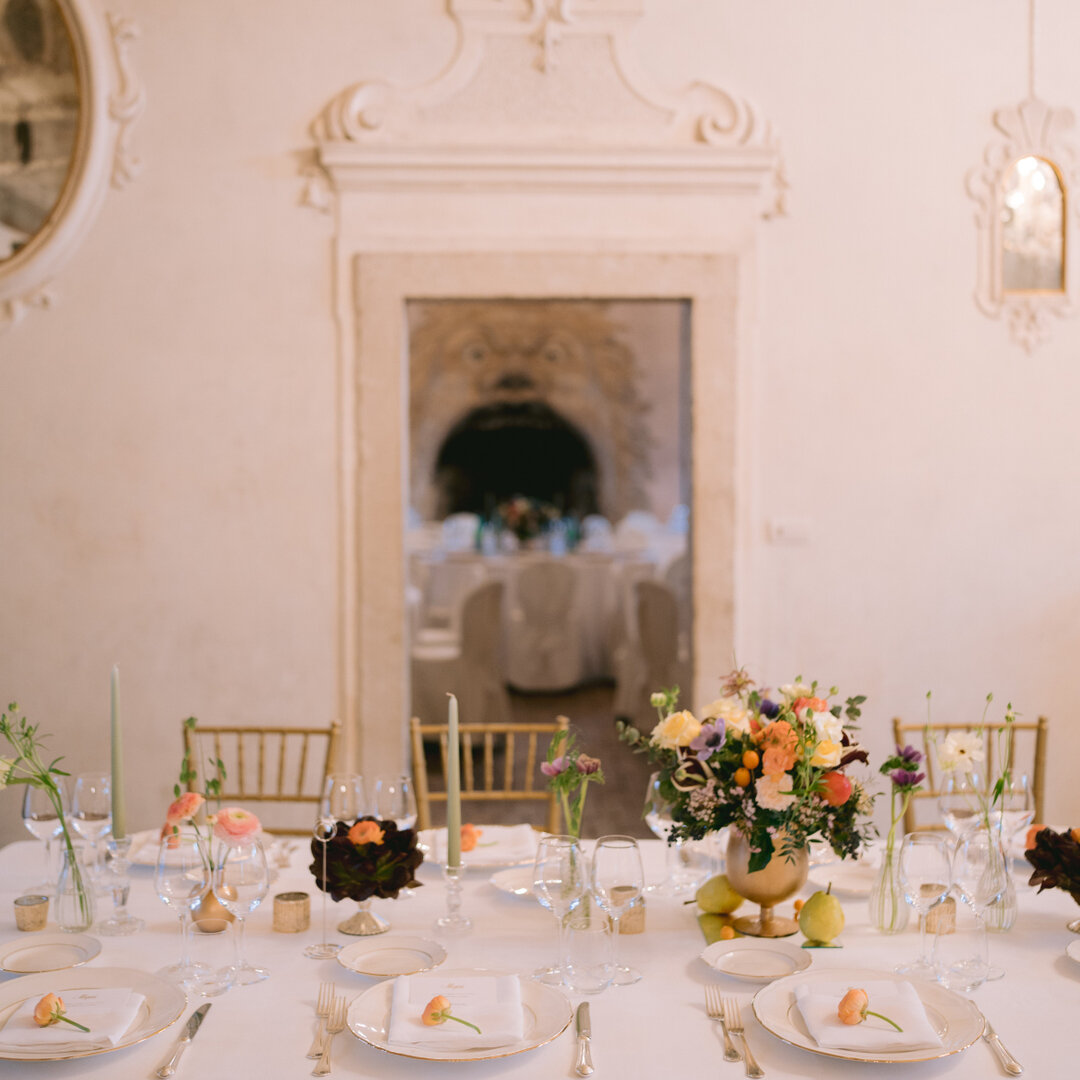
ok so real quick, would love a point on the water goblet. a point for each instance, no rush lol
(925, 877)
(343, 798)
(617, 882)
(677, 877)
(559, 882)
(959, 802)
(395, 801)
(40, 816)
(241, 881)
(181, 877)
(91, 814)
(980, 876)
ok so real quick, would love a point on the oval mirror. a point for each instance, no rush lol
(1032, 227)
(39, 118)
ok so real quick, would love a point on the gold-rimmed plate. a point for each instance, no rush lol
(954, 1018)
(163, 1006)
(514, 881)
(397, 954)
(547, 1014)
(31, 954)
(756, 959)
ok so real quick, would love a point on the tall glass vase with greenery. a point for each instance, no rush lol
(28, 767)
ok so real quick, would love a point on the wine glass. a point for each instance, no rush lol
(980, 876)
(559, 875)
(617, 882)
(343, 798)
(395, 801)
(241, 881)
(40, 817)
(959, 802)
(91, 813)
(925, 877)
(1013, 812)
(677, 877)
(181, 878)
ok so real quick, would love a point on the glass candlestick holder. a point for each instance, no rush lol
(116, 881)
(453, 922)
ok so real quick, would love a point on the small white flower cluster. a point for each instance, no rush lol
(703, 801)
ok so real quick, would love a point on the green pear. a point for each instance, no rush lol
(822, 917)
(717, 896)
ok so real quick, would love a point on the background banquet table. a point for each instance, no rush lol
(655, 1028)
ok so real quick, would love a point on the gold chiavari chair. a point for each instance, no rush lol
(497, 776)
(266, 769)
(1028, 755)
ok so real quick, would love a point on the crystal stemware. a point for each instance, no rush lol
(343, 798)
(181, 878)
(395, 801)
(980, 876)
(959, 802)
(40, 817)
(678, 878)
(1012, 812)
(91, 814)
(559, 882)
(617, 882)
(241, 881)
(925, 877)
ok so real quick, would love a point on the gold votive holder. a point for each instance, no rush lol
(941, 918)
(31, 912)
(292, 912)
(633, 919)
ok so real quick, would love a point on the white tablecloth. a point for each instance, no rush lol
(656, 1028)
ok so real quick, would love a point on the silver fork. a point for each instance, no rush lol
(322, 1011)
(733, 1018)
(335, 1023)
(715, 1008)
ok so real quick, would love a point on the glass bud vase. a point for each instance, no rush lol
(74, 895)
(1001, 914)
(888, 908)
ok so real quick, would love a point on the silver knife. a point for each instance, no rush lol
(1008, 1062)
(186, 1036)
(584, 1064)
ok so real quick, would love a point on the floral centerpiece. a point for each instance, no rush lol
(1055, 858)
(569, 774)
(29, 767)
(771, 765)
(525, 517)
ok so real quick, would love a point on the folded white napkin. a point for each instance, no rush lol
(818, 1002)
(108, 1013)
(491, 1002)
(506, 843)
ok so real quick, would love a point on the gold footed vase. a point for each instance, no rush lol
(781, 878)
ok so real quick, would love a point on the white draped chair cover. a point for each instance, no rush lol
(544, 648)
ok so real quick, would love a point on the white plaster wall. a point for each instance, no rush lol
(167, 445)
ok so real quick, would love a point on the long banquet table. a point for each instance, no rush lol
(655, 1028)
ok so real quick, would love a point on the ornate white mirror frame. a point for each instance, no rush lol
(110, 99)
(540, 164)
(1031, 129)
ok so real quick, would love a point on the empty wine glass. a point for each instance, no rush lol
(1012, 812)
(980, 876)
(91, 813)
(343, 798)
(678, 877)
(617, 882)
(241, 881)
(181, 878)
(40, 817)
(559, 882)
(925, 877)
(959, 802)
(395, 801)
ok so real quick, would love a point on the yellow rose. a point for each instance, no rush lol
(678, 729)
(826, 755)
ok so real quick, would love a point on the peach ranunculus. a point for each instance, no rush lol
(470, 837)
(779, 742)
(234, 825)
(437, 1011)
(675, 730)
(187, 806)
(366, 831)
(854, 1008)
(46, 1008)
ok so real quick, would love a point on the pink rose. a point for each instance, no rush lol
(234, 825)
(184, 807)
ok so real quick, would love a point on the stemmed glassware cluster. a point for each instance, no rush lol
(40, 817)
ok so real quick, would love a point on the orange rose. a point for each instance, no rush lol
(366, 831)
(470, 837)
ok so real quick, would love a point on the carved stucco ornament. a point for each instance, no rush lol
(1030, 129)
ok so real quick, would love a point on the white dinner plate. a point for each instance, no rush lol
(1073, 951)
(955, 1019)
(163, 1006)
(547, 1014)
(514, 881)
(499, 845)
(847, 877)
(393, 955)
(47, 952)
(756, 959)
(145, 845)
